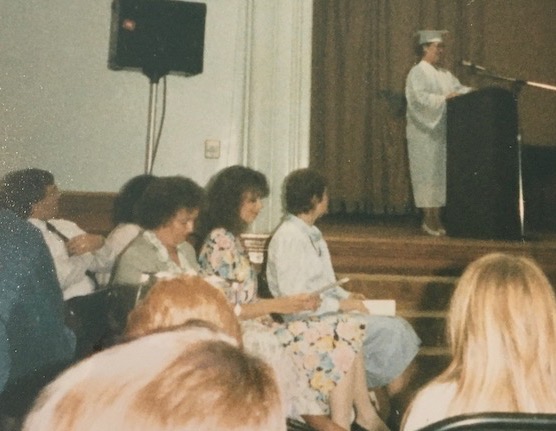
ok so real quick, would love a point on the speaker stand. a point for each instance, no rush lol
(151, 125)
(154, 72)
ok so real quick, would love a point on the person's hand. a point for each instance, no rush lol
(353, 305)
(452, 95)
(85, 243)
(297, 303)
(355, 295)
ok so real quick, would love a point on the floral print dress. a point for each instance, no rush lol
(321, 349)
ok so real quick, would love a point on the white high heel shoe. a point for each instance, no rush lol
(433, 232)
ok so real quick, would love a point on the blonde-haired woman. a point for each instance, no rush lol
(502, 334)
(194, 378)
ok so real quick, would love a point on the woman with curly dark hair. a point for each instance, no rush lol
(318, 360)
(129, 194)
(166, 211)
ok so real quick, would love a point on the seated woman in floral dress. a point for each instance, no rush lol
(326, 351)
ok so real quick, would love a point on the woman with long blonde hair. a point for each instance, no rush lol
(502, 333)
(191, 378)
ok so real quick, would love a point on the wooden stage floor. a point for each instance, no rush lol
(392, 258)
(398, 245)
(401, 226)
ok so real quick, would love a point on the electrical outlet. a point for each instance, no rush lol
(212, 149)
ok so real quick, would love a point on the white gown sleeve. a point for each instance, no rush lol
(425, 107)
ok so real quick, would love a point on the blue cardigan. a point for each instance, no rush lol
(33, 335)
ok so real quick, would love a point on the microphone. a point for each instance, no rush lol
(467, 63)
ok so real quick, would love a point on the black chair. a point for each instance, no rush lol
(495, 421)
(295, 425)
(99, 318)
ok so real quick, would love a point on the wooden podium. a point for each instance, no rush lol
(483, 166)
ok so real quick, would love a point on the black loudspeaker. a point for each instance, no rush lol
(157, 37)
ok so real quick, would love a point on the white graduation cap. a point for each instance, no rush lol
(429, 36)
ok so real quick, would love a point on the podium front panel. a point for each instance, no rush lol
(483, 166)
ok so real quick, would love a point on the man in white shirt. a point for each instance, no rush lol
(33, 194)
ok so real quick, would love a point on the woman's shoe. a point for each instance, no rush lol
(356, 427)
(433, 232)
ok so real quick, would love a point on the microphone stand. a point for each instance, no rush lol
(517, 85)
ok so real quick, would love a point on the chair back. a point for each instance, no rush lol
(496, 421)
(99, 318)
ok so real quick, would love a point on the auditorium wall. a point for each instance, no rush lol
(65, 111)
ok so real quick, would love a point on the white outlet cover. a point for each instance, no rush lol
(212, 149)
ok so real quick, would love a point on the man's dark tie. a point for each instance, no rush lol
(64, 238)
(54, 230)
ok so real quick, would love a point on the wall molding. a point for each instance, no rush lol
(277, 95)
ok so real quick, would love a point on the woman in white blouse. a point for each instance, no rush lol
(299, 262)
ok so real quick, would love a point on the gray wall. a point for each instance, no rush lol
(64, 110)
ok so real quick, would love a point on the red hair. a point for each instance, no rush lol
(171, 303)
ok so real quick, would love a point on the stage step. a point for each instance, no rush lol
(411, 292)
(420, 273)
(375, 251)
(423, 301)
